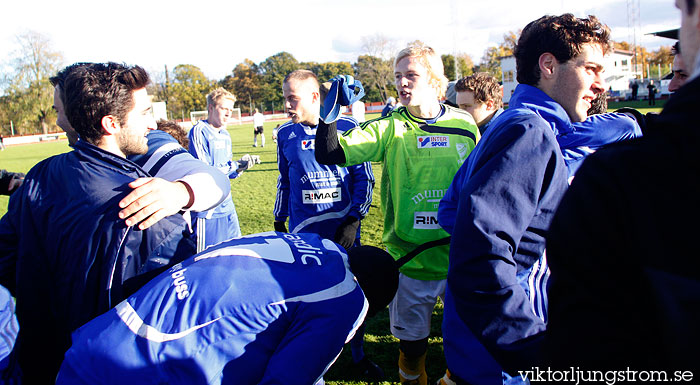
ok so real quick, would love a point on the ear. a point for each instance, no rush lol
(316, 97)
(490, 105)
(548, 65)
(110, 124)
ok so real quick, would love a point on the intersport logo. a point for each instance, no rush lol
(433, 141)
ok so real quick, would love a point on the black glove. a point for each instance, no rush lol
(280, 227)
(347, 231)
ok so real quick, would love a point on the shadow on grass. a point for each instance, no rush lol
(382, 348)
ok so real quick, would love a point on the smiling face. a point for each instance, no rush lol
(413, 83)
(303, 101)
(575, 83)
(131, 138)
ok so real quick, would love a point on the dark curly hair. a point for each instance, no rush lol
(175, 130)
(484, 86)
(93, 91)
(562, 36)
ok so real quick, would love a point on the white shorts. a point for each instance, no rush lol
(410, 311)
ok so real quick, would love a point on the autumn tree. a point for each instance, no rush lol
(465, 66)
(273, 71)
(328, 70)
(188, 90)
(29, 94)
(246, 82)
(491, 61)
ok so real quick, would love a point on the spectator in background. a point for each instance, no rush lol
(2, 143)
(258, 129)
(652, 93)
(635, 88)
(481, 96)
(390, 106)
(680, 72)
(495, 302)
(421, 146)
(210, 142)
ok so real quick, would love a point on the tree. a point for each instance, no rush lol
(326, 71)
(273, 71)
(29, 91)
(246, 83)
(188, 91)
(377, 76)
(464, 62)
(491, 61)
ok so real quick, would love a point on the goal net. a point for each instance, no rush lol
(196, 116)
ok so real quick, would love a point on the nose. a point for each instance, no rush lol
(288, 105)
(674, 84)
(599, 86)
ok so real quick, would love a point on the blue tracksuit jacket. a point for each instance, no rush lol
(576, 141)
(495, 299)
(213, 147)
(317, 198)
(65, 254)
(269, 308)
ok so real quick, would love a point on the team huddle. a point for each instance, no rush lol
(127, 262)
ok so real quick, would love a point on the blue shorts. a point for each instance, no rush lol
(215, 230)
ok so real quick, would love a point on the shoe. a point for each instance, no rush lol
(255, 145)
(370, 370)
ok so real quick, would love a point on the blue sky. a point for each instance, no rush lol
(157, 33)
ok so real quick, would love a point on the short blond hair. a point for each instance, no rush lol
(430, 60)
(214, 97)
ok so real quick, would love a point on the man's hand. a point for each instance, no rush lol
(15, 183)
(152, 200)
(347, 232)
(280, 227)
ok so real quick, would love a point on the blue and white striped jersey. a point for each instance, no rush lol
(315, 197)
(213, 147)
(262, 309)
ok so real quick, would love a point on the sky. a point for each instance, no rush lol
(216, 36)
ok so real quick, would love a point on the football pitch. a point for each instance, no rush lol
(254, 197)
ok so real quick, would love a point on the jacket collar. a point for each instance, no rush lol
(95, 153)
(536, 100)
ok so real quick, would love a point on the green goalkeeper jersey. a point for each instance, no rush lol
(419, 159)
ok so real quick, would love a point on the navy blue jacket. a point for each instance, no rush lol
(514, 179)
(65, 254)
